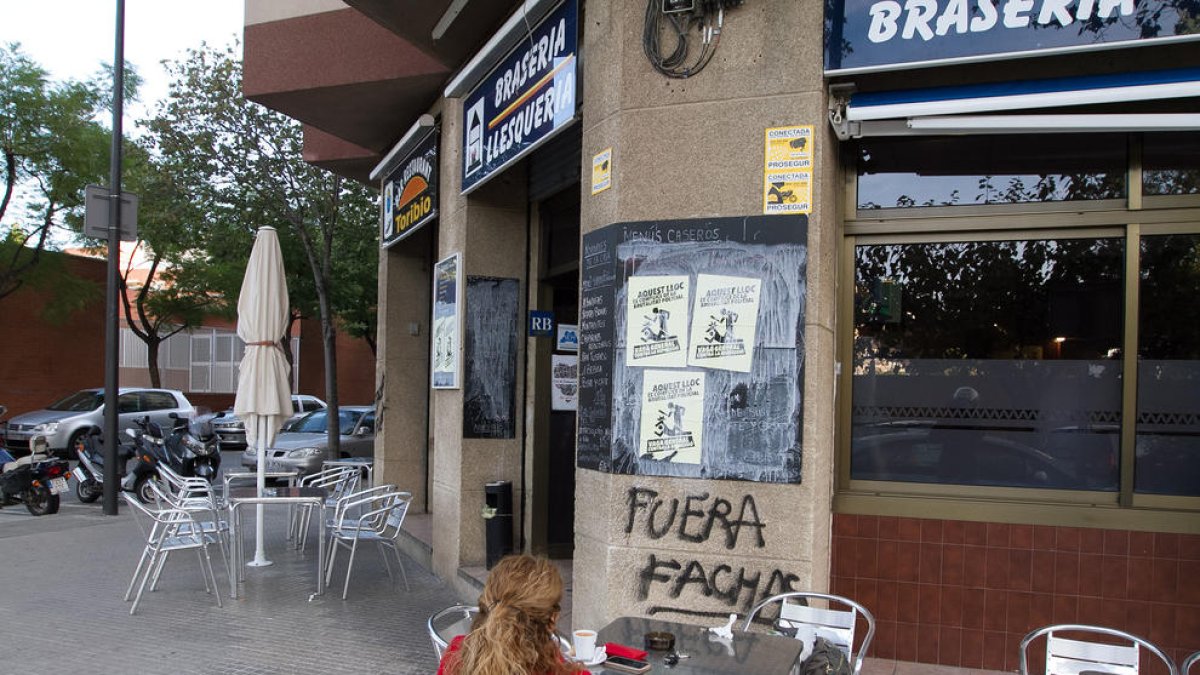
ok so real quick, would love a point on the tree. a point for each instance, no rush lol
(244, 163)
(176, 293)
(50, 144)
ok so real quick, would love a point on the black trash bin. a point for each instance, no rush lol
(498, 524)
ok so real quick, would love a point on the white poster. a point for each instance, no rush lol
(656, 321)
(672, 416)
(724, 322)
(447, 299)
(564, 381)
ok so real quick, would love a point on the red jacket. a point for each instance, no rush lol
(455, 644)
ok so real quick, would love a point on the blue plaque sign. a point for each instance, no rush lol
(870, 35)
(541, 323)
(524, 101)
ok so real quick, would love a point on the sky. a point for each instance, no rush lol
(72, 38)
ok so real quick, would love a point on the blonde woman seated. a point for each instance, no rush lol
(513, 634)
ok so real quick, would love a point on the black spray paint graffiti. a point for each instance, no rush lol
(736, 589)
(697, 523)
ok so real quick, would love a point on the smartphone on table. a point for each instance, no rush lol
(626, 665)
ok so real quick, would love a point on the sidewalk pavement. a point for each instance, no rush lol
(64, 577)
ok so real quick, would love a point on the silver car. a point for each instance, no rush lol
(302, 443)
(64, 422)
(231, 430)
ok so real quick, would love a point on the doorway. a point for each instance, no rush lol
(559, 292)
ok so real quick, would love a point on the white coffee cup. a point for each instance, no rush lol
(585, 644)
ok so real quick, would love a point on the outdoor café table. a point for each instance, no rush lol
(367, 463)
(291, 496)
(292, 476)
(745, 653)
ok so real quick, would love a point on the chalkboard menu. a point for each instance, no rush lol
(738, 416)
(490, 357)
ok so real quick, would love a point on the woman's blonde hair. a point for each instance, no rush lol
(514, 630)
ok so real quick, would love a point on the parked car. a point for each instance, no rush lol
(231, 430)
(303, 442)
(65, 421)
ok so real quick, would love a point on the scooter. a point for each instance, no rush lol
(191, 449)
(35, 480)
(89, 473)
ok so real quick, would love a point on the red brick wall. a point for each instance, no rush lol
(964, 594)
(355, 365)
(42, 362)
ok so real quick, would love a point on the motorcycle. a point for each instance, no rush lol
(35, 480)
(191, 449)
(89, 473)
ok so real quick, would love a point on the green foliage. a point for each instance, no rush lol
(241, 167)
(50, 147)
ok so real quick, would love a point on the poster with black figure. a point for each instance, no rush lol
(751, 420)
(656, 321)
(724, 322)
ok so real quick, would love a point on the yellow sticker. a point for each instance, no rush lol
(787, 169)
(602, 171)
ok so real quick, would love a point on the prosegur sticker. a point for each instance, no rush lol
(656, 321)
(602, 171)
(672, 416)
(787, 170)
(724, 322)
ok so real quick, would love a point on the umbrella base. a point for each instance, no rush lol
(259, 563)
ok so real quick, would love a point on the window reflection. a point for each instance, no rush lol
(955, 171)
(1168, 422)
(1170, 164)
(988, 363)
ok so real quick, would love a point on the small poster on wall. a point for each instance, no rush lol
(724, 322)
(656, 321)
(447, 304)
(672, 416)
(788, 170)
(564, 381)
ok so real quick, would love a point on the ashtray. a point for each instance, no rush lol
(660, 641)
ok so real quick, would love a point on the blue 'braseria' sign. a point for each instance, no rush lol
(528, 97)
(864, 35)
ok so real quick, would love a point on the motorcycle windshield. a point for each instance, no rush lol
(5, 458)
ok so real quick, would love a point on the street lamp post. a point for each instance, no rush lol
(112, 440)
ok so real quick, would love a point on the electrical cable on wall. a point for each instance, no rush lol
(683, 20)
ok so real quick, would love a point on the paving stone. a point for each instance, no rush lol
(65, 576)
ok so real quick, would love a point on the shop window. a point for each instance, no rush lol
(989, 363)
(1168, 421)
(981, 170)
(1169, 164)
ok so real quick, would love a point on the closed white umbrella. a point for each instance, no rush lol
(263, 394)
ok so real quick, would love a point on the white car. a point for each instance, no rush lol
(65, 422)
(231, 430)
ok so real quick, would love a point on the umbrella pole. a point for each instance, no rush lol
(260, 425)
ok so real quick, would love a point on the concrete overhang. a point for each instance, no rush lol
(357, 74)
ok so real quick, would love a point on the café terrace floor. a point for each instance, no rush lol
(419, 527)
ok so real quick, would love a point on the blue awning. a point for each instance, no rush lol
(1023, 95)
(998, 108)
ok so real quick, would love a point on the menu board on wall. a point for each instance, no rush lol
(748, 400)
(490, 357)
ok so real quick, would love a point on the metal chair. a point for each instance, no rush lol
(446, 624)
(380, 525)
(195, 495)
(339, 481)
(350, 506)
(171, 530)
(1066, 656)
(1190, 661)
(807, 623)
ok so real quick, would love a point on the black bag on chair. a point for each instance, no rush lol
(825, 659)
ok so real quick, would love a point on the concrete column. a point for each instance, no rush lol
(402, 366)
(694, 549)
(489, 228)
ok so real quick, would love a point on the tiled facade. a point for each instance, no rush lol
(964, 593)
